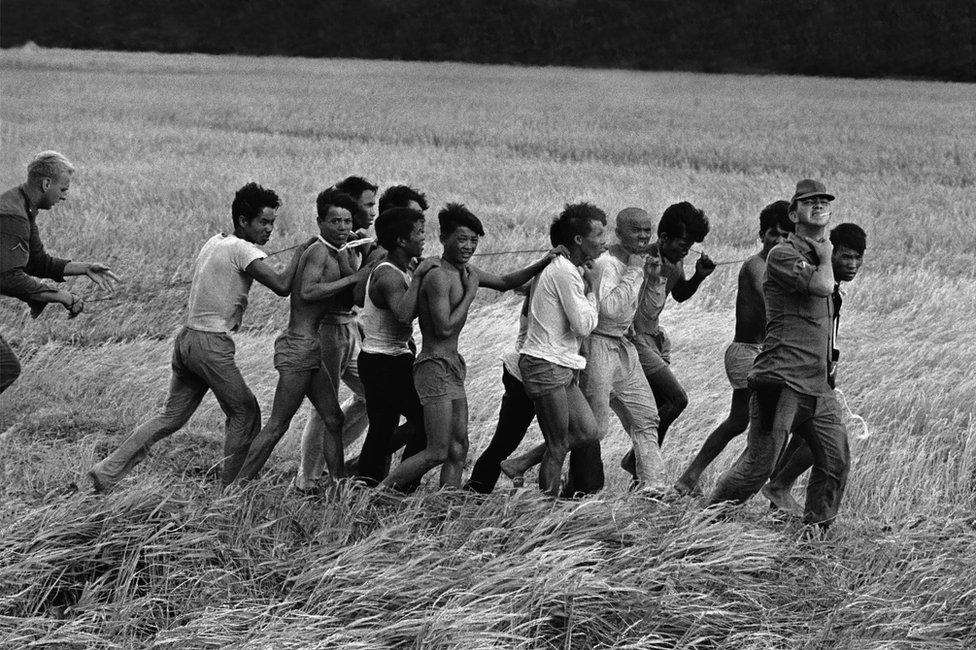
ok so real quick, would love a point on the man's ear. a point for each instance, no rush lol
(45, 183)
(578, 240)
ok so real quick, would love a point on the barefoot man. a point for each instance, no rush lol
(203, 355)
(439, 371)
(750, 327)
(849, 242)
(304, 368)
(789, 380)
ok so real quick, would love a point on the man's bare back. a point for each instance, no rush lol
(750, 307)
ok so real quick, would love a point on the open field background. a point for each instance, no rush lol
(162, 142)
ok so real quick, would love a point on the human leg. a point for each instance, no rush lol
(826, 436)
(735, 424)
(773, 411)
(552, 411)
(438, 422)
(289, 394)
(631, 399)
(585, 473)
(514, 417)
(384, 379)
(354, 417)
(334, 343)
(9, 365)
(670, 397)
(457, 451)
(796, 459)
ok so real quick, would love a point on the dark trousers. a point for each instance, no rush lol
(514, 417)
(775, 411)
(9, 366)
(390, 393)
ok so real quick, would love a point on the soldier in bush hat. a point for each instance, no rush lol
(790, 379)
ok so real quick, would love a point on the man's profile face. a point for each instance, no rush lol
(414, 244)
(367, 209)
(258, 230)
(55, 192)
(846, 262)
(336, 226)
(460, 245)
(675, 249)
(635, 234)
(594, 242)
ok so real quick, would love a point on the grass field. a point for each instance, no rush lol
(162, 142)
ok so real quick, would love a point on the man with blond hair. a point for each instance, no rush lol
(24, 258)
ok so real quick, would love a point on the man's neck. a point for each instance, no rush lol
(816, 233)
(399, 258)
(33, 195)
(576, 256)
(240, 234)
(621, 253)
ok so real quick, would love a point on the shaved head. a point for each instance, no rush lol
(635, 229)
(631, 216)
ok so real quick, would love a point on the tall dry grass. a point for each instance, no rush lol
(162, 142)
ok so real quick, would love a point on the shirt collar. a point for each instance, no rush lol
(31, 210)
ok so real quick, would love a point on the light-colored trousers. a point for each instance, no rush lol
(341, 343)
(613, 379)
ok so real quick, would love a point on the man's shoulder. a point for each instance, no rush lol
(755, 265)
(12, 204)
(608, 261)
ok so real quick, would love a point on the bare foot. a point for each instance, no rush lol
(686, 488)
(514, 470)
(783, 500)
(97, 483)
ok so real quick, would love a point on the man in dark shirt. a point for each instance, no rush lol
(22, 255)
(849, 242)
(789, 380)
(750, 327)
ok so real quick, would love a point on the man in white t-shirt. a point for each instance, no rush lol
(203, 355)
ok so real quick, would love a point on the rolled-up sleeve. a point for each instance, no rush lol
(787, 267)
(618, 292)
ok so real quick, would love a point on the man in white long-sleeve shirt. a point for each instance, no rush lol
(562, 312)
(613, 377)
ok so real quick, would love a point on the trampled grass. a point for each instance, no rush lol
(163, 141)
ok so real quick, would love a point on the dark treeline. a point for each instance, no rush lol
(857, 38)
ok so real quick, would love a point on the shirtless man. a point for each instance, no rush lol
(386, 360)
(750, 326)
(849, 242)
(203, 355)
(360, 246)
(324, 272)
(439, 371)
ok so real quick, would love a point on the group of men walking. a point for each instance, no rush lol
(589, 342)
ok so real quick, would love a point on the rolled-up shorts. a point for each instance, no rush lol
(439, 378)
(541, 377)
(653, 350)
(739, 358)
(297, 353)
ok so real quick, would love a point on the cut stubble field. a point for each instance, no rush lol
(163, 141)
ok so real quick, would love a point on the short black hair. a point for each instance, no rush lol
(454, 216)
(394, 224)
(683, 220)
(399, 196)
(355, 186)
(250, 200)
(334, 198)
(575, 219)
(850, 235)
(776, 215)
